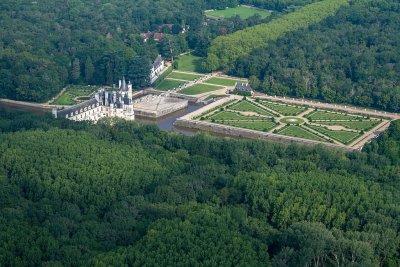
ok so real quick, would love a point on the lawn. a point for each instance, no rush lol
(199, 89)
(250, 107)
(227, 115)
(355, 125)
(223, 81)
(264, 126)
(183, 76)
(169, 84)
(72, 92)
(189, 63)
(242, 11)
(283, 109)
(65, 100)
(297, 131)
(344, 137)
(325, 115)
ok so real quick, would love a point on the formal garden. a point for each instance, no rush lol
(292, 120)
(74, 94)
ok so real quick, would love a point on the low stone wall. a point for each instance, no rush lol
(250, 134)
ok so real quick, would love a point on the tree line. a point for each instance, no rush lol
(348, 58)
(45, 45)
(225, 50)
(99, 195)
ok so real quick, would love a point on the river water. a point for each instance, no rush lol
(167, 123)
(164, 123)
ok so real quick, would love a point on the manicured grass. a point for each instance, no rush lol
(355, 125)
(183, 76)
(227, 115)
(325, 115)
(242, 11)
(65, 100)
(344, 137)
(169, 84)
(189, 63)
(264, 126)
(199, 89)
(297, 131)
(283, 109)
(72, 92)
(250, 107)
(223, 81)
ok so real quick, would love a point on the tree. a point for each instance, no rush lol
(89, 70)
(76, 70)
(139, 71)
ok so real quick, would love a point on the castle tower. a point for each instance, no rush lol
(130, 91)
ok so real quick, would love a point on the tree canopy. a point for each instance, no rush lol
(129, 195)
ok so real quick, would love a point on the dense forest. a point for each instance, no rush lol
(76, 194)
(352, 57)
(225, 50)
(49, 43)
(278, 5)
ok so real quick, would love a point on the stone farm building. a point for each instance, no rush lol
(244, 88)
(156, 69)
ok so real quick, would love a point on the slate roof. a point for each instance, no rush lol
(244, 87)
(157, 62)
(78, 107)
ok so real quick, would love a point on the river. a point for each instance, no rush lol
(166, 123)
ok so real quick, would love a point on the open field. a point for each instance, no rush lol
(68, 98)
(223, 81)
(326, 115)
(263, 126)
(200, 89)
(241, 11)
(183, 76)
(355, 125)
(343, 137)
(169, 84)
(227, 115)
(285, 110)
(297, 131)
(189, 63)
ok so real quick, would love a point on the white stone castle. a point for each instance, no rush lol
(156, 69)
(105, 103)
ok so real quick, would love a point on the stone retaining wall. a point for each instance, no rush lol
(251, 134)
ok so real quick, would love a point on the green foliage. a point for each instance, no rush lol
(200, 88)
(122, 194)
(225, 50)
(243, 12)
(223, 81)
(351, 58)
(189, 62)
(166, 85)
(250, 107)
(297, 131)
(183, 76)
